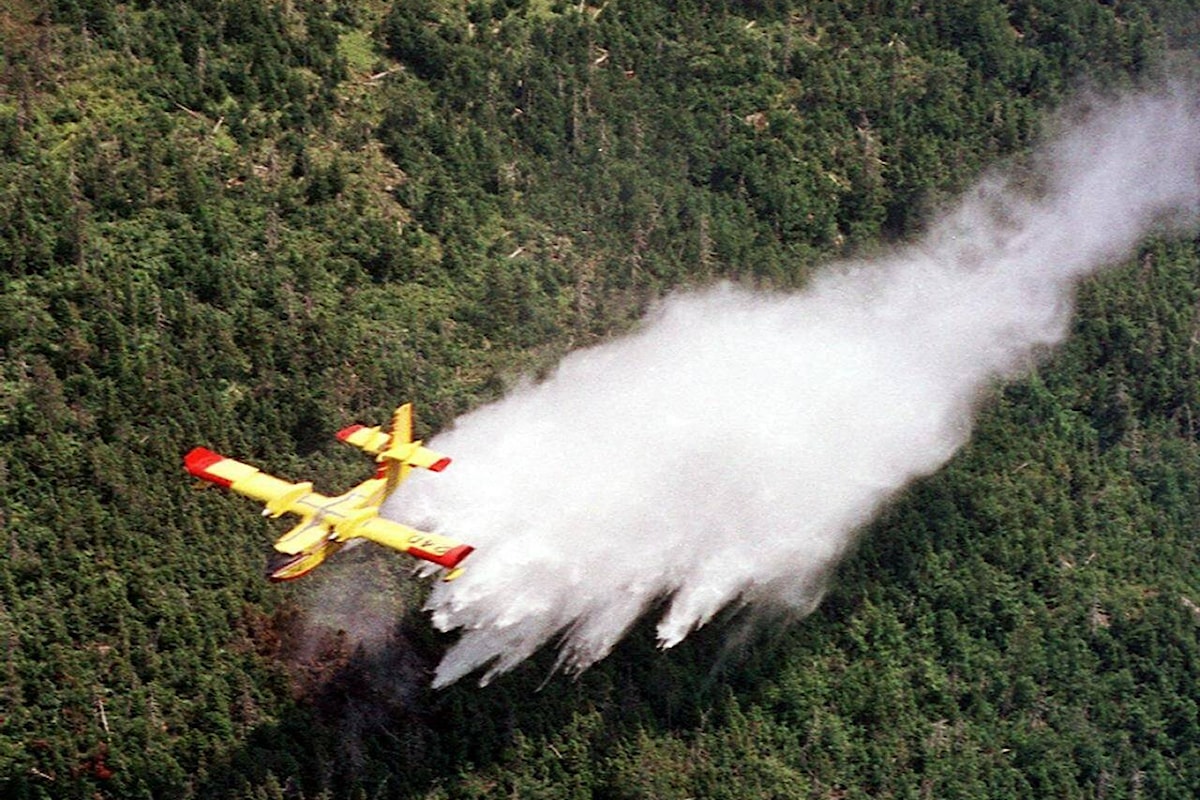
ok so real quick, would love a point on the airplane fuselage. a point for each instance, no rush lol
(322, 529)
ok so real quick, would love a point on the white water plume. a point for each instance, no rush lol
(731, 447)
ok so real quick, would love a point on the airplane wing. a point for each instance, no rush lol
(279, 496)
(440, 550)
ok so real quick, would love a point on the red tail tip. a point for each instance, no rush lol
(346, 433)
(439, 465)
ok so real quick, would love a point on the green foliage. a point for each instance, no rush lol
(241, 223)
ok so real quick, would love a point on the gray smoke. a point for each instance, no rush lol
(731, 447)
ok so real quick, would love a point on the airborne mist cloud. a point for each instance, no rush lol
(729, 449)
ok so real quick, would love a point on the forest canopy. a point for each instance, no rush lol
(246, 223)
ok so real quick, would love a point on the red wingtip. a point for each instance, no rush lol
(448, 559)
(439, 465)
(451, 558)
(198, 461)
(346, 433)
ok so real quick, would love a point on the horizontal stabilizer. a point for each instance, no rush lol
(398, 446)
(414, 455)
(372, 440)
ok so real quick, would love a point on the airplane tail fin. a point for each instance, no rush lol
(402, 425)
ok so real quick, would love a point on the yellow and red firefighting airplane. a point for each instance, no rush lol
(327, 523)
